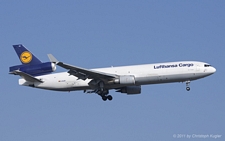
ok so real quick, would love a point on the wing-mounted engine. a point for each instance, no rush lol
(130, 90)
(35, 70)
(125, 79)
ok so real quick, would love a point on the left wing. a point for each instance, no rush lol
(83, 73)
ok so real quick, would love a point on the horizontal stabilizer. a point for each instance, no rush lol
(26, 76)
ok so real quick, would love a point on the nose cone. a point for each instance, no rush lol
(213, 70)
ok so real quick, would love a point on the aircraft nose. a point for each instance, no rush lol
(213, 70)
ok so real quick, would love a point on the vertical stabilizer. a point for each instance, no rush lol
(25, 56)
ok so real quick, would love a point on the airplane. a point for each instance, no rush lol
(124, 79)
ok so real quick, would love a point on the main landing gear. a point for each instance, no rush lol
(187, 85)
(104, 95)
(104, 92)
(107, 97)
(101, 91)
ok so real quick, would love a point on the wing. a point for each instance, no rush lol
(83, 73)
(26, 76)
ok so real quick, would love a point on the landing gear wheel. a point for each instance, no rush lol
(104, 98)
(109, 97)
(187, 85)
(188, 88)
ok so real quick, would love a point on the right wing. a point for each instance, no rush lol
(83, 73)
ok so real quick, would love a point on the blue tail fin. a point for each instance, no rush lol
(25, 56)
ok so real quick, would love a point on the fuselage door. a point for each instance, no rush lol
(197, 68)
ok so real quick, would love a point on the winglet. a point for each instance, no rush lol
(52, 58)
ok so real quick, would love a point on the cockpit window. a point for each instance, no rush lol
(207, 65)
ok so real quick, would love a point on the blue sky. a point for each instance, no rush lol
(94, 34)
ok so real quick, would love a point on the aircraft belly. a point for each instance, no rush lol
(64, 86)
(165, 78)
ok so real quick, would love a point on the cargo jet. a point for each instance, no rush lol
(124, 79)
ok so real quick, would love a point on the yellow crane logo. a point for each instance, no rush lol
(26, 57)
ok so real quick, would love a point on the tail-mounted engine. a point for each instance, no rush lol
(35, 70)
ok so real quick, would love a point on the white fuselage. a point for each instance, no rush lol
(144, 74)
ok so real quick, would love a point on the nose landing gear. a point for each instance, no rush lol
(187, 85)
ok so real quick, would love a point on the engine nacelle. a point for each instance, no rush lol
(125, 79)
(35, 70)
(130, 90)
